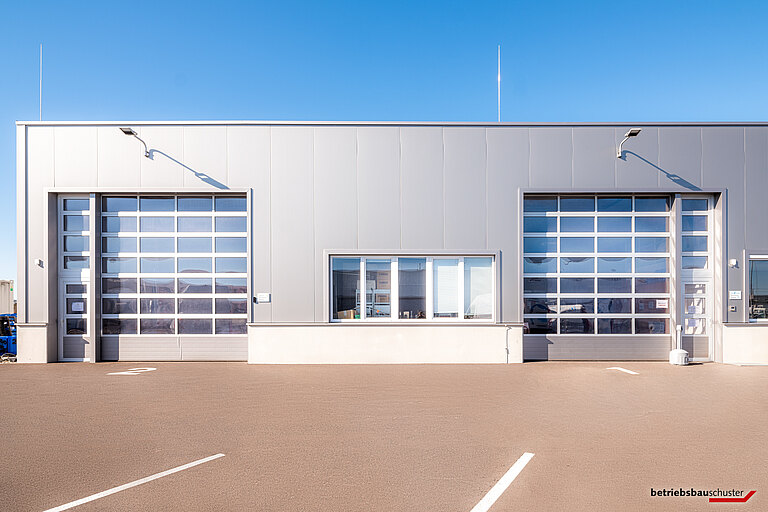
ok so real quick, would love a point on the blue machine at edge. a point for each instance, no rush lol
(8, 334)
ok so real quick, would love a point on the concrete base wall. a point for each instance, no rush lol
(376, 344)
(36, 343)
(745, 344)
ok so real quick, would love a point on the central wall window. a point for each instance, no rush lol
(596, 264)
(412, 288)
(174, 265)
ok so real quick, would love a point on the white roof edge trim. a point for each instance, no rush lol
(387, 123)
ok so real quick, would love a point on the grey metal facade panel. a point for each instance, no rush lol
(205, 156)
(291, 169)
(423, 211)
(293, 258)
(639, 168)
(165, 168)
(605, 348)
(507, 173)
(594, 165)
(335, 199)
(723, 166)
(76, 160)
(248, 165)
(466, 211)
(680, 155)
(551, 158)
(118, 162)
(41, 165)
(378, 188)
(755, 208)
(22, 227)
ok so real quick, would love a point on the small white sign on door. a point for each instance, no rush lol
(78, 307)
(734, 294)
(662, 303)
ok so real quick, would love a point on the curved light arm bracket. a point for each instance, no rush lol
(130, 131)
(633, 132)
(146, 151)
(618, 151)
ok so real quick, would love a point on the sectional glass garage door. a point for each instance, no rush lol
(173, 265)
(596, 265)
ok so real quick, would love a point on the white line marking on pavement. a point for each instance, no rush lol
(623, 370)
(134, 371)
(123, 487)
(501, 486)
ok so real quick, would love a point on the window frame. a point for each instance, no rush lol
(429, 287)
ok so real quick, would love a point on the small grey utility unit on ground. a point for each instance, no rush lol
(333, 242)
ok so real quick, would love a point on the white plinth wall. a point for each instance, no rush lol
(384, 343)
(745, 344)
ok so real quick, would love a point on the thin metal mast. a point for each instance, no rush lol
(41, 81)
(498, 81)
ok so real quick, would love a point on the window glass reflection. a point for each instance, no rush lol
(446, 282)
(378, 288)
(614, 326)
(534, 265)
(345, 277)
(614, 224)
(540, 306)
(478, 288)
(577, 326)
(571, 306)
(577, 224)
(539, 224)
(758, 289)
(412, 277)
(614, 244)
(539, 244)
(614, 305)
(614, 265)
(540, 203)
(577, 244)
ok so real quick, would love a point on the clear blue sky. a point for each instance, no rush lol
(360, 60)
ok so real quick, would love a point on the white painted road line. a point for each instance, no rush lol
(623, 370)
(501, 486)
(134, 371)
(123, 487)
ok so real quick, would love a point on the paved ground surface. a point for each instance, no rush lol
(428, 438)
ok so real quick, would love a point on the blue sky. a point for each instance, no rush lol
(357, 60)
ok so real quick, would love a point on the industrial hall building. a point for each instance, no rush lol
(379, 242)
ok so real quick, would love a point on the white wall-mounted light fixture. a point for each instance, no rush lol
(633, 132)
(733, 263)
(129, 131)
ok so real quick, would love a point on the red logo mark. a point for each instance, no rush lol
(732, 500)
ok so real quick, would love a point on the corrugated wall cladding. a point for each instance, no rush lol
(389, 187)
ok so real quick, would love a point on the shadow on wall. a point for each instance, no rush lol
(199, 175)
(674, 178)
